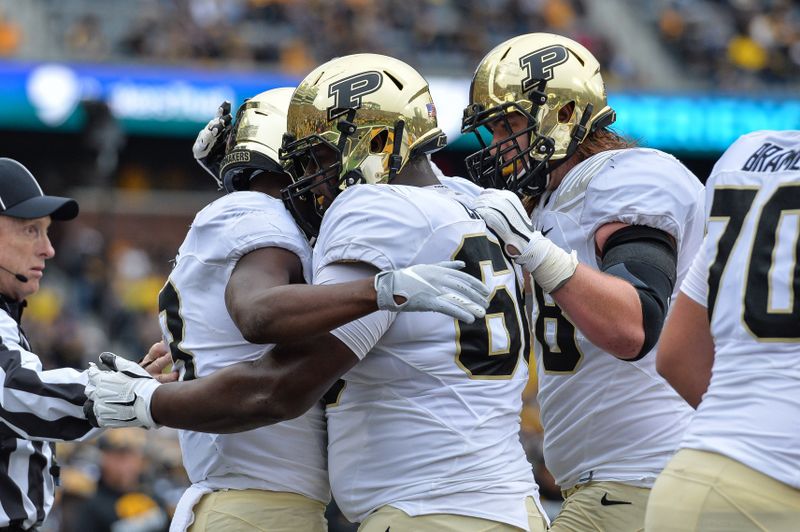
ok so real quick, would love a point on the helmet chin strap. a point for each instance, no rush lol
(545, 148)
(353, 177)
(346, 127)
(579, 131)
(373, 166)
(578, 134)
(395, 160)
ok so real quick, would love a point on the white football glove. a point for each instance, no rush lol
(119, 393)
(209, 146)
(505, 215)
(433, 288)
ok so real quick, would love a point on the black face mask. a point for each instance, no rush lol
(505, 164)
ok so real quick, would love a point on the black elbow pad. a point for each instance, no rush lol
(646, 258)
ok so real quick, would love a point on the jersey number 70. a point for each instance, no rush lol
(733, 206)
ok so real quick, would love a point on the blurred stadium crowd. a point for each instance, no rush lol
(442, 34)
(730, 44)
(735, 44)
(100, 292)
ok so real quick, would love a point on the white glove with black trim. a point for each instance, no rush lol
(119, 393)
(433, 288)
(209, 146)
(505, 215)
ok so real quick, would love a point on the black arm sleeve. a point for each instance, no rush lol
(646, 258)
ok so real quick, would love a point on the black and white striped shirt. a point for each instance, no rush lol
(36, 407)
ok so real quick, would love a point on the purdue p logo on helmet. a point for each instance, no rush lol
(540, 76)
(355, 119)
(539, 64)
(348, 93)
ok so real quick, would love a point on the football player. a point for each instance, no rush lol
(613, 228)
(731, 348)
(441, 450)
(423, 431)
(236, 279)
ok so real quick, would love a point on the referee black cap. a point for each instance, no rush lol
(22, 197)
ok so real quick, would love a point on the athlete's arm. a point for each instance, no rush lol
(281, 385)
(621, 311)
(686, 350)
(268, 309)
(605, 309)
(269, 304)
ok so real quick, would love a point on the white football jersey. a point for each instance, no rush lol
(748, 276)
(606, 418)
(460, 185)
(455, 183)
(428, 421)
(289, 456)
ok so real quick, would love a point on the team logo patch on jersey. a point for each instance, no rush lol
(348, 93)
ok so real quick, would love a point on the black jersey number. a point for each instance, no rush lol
(334, 394)
(732, 205)
(169, 306)
(565, 355)
(476, 352)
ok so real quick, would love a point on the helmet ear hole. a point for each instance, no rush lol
(378, 142)
(566, 112)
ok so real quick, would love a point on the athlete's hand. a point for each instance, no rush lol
(209, 146)
(505, 215)
(119, 393)
(433, 288)
(158, 359)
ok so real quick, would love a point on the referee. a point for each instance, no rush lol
(36, 406)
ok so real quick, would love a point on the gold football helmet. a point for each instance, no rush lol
(552, 81)
(255, 139)
(355, 119)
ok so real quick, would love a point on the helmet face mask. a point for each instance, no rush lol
(509, 162)
(540, 76)
(318, 163)
(356, 119)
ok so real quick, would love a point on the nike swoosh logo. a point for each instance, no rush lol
(605, 501)
(544, 233)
